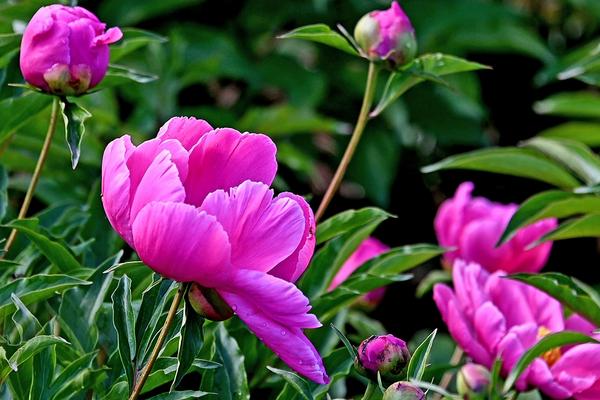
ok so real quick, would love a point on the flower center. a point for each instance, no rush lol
(551, 356)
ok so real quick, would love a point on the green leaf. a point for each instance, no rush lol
(70, 374)
(74, 117)
(426, 67)
(26, 323)
(572, 105)
(124, 323)
(418, 361)
(183, 395)
(17, 111)
(574, 155)
(547, 343)
(321, 33)
(132, 40)
(510, 161)
(120, 75)
(151, 309)
(345, 341)
(585, 132)
(34, 289)
(400, 259)
(347, 221)
(28, 350)
(430, 280)
(552, 203)
(55, 251)
(118, 391)
(230, 380)
(570, 292)
(338, 365)
(164, 370)
(190, 342)
(43, 366)
(299, 384)
(3, 192)
(586, 226)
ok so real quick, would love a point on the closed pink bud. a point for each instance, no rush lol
(208, 303)
(387, 35)
(65, 51)
(385, 354)
(473, 380)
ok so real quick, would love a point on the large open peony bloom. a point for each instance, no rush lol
(490, 316)
(473, 226)
(196, 206)
(368, 249)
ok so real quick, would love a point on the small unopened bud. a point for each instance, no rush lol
(385, 354)
(208, 303)
(403, 391)
(472, 381)
(387, 35)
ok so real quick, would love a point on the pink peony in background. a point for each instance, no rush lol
(473, 225)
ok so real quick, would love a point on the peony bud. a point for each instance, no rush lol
(387, 35)
(403, 391)
(208, 303)
(65, 51)
(472, 381)
(385, 354)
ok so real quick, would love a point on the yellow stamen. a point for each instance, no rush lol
(551, 356)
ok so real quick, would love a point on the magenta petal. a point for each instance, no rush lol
(115, 186)
(593, 393)
(187, 130)
(294, 266)
(262, 231)
(110, 36)
(160, 183)
(579, 324)
(368, 249)
(579, 368)
(225, 158)
(182, 243)
(490, 325)
(276, 311)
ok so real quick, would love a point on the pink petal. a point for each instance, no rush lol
(225, 158)
(187, 130)
(160, 183)
(115, 186)
(579, 367)
(513, 345)
(579, 324)
(368, 249)
(276, 311)
(478, 244)
(490, 326)
(469, 280)
(294, 266)
(181, 243)
(262, 231)
(593, 393)
(110, 36)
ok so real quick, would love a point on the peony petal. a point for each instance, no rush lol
(225, 158)
(276, 311)
(115, 186)
(181, 243)
(294, 266)
(469, 280)
(579, 367)
(593, 393)
(262, 231)
(490, 326)
(110, 36)
(160, 183)
(368, 249)
(579, 324)
(187, 130)
(478, 244)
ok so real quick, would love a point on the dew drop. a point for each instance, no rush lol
(234, 307)
(301, 362)
(283, 333)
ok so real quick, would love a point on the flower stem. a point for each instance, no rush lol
(139, 384)
(363, 117)
(447, 377)
(36, 173)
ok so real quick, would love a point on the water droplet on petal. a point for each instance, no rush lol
(283, 333)
(234, 307)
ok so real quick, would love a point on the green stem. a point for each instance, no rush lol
(363, 117)
(145, 373)
(36, 173)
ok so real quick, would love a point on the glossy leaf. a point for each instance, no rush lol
(547, 343)
(28, 350)
(3, 192)
(74, 117)
(418, 362)
(124, 323)
(132, 40)
(295, 381)
(552, 203)
(348, 220)
(574, 155)
(190, 342)
(55, 251)
(69, 374)
(351, 350)
(510, 161)
(16, 111)
(183, 395)
(585, 132)
(570, 292)
(321, 33)
(586, 226)
(120, 75)
(426, 67)
(34, 289)
(570, 104)
(230, 380)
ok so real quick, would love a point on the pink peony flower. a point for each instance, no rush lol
(196, 206)
(368, 249)
(65, 49)
(387, 35)
(490, 316)
(473, 225)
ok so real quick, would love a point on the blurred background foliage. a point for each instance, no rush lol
(222, 61)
